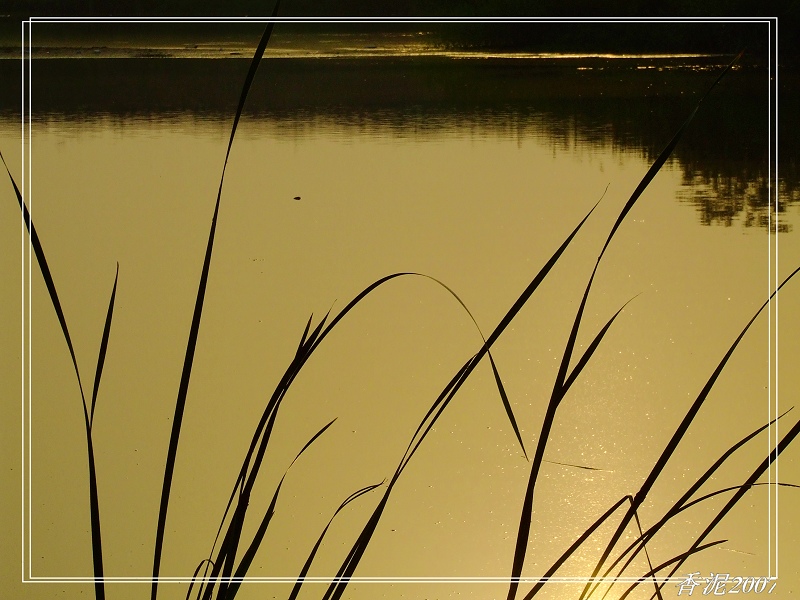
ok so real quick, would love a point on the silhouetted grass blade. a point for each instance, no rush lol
(180, 407)
(101, 357)
(337, 588)
(678, 435)
(575, 466)
(647, 555)
(304, 336)
(643, 537)
(94, 506)
(733, 488)
(590, 350)
(195, 327)
(249, 555)
(683, 502)
(309, 342)
(558, 388)
(352, 304)
(226, 577)
(507, 404)
(255, 452)
(675, 559)
(229, 590)
(526, 517)
(664, 155)
(94, 503)
(307, 565)
(498, 380)
(312, 338)
(38, 251)
(458, 379)
(236, 488)
(432, 414)
(312, 440)
(750, 482)
(203, 565)
(575, 545)
(226, 557)
(230, 543)
(248, 82)
(436, 410)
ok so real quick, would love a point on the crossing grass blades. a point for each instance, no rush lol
(221, 573)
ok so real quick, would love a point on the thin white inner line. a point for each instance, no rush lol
(26, 176)
(29, 23)
(777, 301)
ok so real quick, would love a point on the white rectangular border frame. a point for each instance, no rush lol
(26, 188)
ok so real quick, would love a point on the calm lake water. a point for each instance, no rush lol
(471, 170)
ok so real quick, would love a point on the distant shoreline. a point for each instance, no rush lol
(125, 39)
(243, 51)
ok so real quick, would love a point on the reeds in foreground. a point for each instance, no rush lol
(222, 572)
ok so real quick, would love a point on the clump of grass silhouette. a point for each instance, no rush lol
(226, 567)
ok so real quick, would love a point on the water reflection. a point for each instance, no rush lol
(588, 102)
(723, 200)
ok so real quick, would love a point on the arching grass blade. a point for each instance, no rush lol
(337, 588)
(307, 565)
(250, 553)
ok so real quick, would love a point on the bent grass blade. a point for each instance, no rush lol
(248, 474)
(307, 565)
(338, 586)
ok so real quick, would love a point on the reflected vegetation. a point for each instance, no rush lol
(627, 105)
